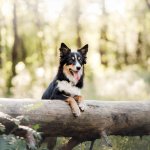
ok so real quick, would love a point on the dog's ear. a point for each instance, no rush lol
(83, 50)
(64, 50)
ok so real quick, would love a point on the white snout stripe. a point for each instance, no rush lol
(77, 62)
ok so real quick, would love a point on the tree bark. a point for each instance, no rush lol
(55, 118)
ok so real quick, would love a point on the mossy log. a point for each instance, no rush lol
(101, 118)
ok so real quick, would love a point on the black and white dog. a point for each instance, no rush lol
(68, 82)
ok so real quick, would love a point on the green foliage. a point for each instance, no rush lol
(36, 127)
(118, 143)
(11, 142)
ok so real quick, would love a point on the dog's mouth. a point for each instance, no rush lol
(74, 73)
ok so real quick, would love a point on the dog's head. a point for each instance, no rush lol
(73, 62)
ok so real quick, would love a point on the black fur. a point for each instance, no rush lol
(52, 92)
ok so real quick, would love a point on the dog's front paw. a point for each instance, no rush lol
(82, 106)
(76, 112)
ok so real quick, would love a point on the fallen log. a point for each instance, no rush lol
(101, 118)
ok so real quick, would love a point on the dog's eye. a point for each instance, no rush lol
(73, 58)
(79, 58)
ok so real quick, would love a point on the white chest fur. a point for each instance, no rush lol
(68, 88)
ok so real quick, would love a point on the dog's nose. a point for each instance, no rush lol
(78, 68)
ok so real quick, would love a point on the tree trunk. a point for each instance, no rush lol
(16, 40)
(77, 22)
(139, 49)
(103, 36)
(14, 52)
(0, 49)
(122, 118)
(23, 53)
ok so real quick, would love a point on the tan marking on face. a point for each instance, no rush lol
(66, 69)
(68, 74)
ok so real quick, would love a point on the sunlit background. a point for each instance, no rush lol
(118, 34)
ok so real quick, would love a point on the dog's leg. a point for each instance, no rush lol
(73, 104)
(80, 102)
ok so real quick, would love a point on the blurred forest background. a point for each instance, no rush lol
(118, 34)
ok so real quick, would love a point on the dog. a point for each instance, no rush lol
(68, 82)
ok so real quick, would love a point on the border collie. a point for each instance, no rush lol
(68, 82)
